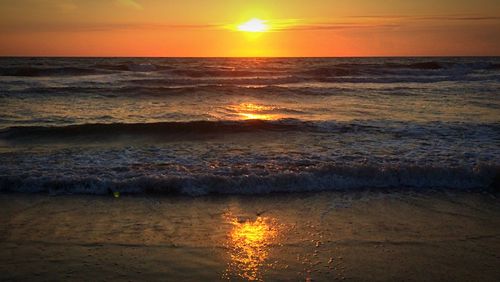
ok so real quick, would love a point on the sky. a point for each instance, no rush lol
(207, 28)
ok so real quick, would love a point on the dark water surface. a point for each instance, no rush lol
(248, 126)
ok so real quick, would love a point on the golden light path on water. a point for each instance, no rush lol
(254, 111)
(248, 246)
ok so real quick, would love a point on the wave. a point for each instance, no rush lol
(44, 71)
(275, 86)
(147, 129)
(221, 73)
(220, 127)
(134, 67)
(494, 66)
(243, 69)
(431, 65)
(97, 69)
(336, 69)
(323, 178)
(156, 90)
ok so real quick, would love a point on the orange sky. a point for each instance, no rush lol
(192, 28)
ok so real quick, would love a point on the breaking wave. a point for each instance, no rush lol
(323, 178)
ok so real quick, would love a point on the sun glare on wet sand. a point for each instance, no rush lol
(248, 246)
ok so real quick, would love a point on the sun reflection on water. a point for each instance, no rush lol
(256, 116)
(248, 246)
(255, 111)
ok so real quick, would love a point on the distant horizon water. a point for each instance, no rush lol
(249, 57)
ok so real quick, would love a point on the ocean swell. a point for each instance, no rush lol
(104, 131)
(265, 69)
(160, 128)
(49, 71)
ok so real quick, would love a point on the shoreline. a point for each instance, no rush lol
(368, 236)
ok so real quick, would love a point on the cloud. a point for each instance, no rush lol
(369, 21)
(277, 25)
(39, 5)
(130, 4)
(303, 25)
(99, 27)
(336, 26)
(281, 25)
(430, 18)
(459, 18)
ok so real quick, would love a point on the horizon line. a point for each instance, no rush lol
(263, 57)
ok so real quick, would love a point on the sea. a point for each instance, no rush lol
(202, 126)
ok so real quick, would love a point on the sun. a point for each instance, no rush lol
(254, 25)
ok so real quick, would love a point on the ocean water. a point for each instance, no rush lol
(199, 126)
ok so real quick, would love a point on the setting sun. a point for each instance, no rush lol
(254, 25)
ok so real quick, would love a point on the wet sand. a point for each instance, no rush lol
(364, 236)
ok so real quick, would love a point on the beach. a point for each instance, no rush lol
(352, 236)
(249, 169)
